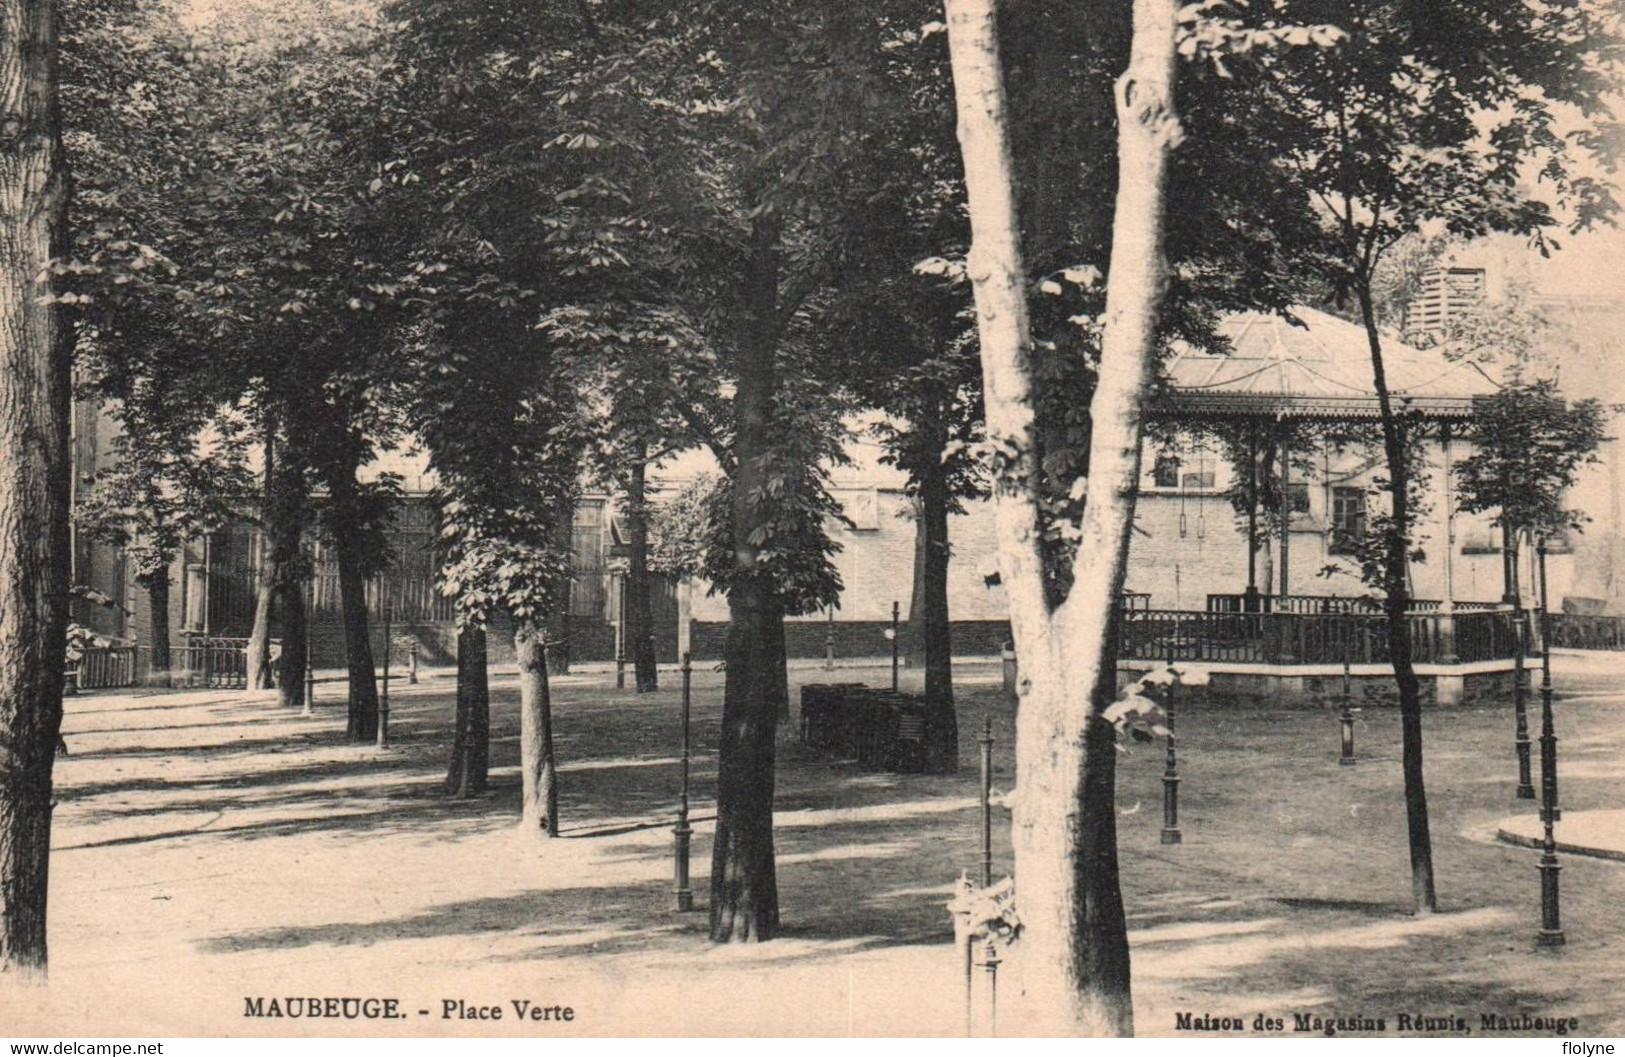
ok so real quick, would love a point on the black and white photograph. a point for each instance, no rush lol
(584, 519)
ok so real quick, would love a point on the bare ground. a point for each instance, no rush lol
(211, 848)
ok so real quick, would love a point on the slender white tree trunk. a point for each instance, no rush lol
(1072, 962)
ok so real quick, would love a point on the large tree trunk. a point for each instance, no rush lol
(779, 645)
(471, 739)
(158, 661)
(1073, 960)
(744, 881)
(539, 780)
(362, 721)
(744, 886)
(290, 690)
(639, 604)
(558, 621)
(34, 480)
(1397, 603)
(285, 511)
(259, 638)
(929, 612)
(260, 674)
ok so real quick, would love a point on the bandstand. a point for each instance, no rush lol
(1281, 641)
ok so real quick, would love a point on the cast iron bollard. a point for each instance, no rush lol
(683, 832)
(985, 740)
(1170, 774)
(1551, 925)
(412, 663)
(383, 697)
(1346, 720)
(1520, 701)
(895, 644)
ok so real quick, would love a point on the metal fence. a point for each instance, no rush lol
(1577, 631)
(212, 663)
(103, 668)
(1237, 603)
(1307, 638)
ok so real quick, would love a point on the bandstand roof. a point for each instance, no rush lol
(1314, 365)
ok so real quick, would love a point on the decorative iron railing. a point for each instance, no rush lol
(1308, 638)
(1237, 603)
(1577, 631)
(212, 663)
(103, 668)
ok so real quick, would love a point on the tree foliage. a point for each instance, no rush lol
(1529, 446)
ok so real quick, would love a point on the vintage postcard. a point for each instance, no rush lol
(911, 518)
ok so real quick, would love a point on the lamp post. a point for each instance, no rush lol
(683, 832)
(1520, 700)
(985, 740)
(1346, 717)
(896, 611)
(620, 641)
(1548, 738)
(1551, 926)
(310, 659)
(383, 696)
(1170, 774)
(829, 640)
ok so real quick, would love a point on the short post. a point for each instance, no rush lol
(829, 641)
(1170, 774)
(896, 611)
(990, 965)
(965, 936)
(683, 832)
(1551, 925)
(412, 663)
(1548, 738)
(383, 696)
(985, 740)
(1346, 718)
(1520, 700)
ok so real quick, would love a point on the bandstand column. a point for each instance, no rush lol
(1447, 607)
(1286, 512)
(1250, 599)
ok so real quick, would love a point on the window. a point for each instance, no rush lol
(1348, 519)
(1166, 472)
(1444, 294)
(1297, 497)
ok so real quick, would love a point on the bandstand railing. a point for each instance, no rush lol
(1286, 638)
(1262, 603)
